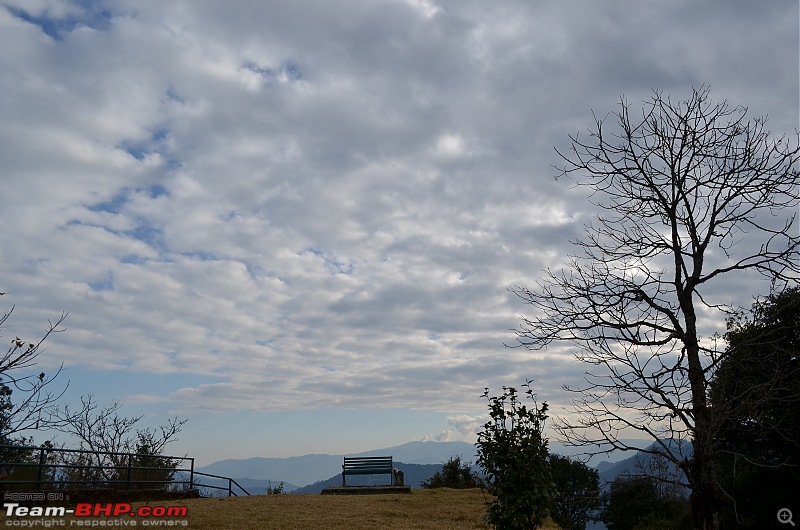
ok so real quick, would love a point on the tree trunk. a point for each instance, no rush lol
(705, 498)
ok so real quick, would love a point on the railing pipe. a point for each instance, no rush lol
(191, 473)
(40, 470)
(130, 472)
(42, 467)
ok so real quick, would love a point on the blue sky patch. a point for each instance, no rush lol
(333, 265)
(139, 150)
(203, 256)
(136, 151)
(104, 285)
(114, 205)
(157, 190)
(146, 234)
(161, 134)
(172, 95)
(56, 28)
(133, 259)
(290, 69)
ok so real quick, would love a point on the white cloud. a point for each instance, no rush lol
(428, 9)
(463, 428)
(450, 145)
(317, 204)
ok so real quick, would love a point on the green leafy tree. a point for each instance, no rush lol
(24, 462)
(9, 453)
(757, 390)
(80, 471)
(149, 469)
(512, 451)
(455, 474)
(637, 503)
(577, 494)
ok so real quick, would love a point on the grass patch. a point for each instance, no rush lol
(436, 509)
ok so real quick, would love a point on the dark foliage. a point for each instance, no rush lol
(275, 490)
(513, 454)
(757, 385)
(635, 503)
(456, 474)
(577, 494)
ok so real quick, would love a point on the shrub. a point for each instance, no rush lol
(577, 492)
(636, 503)
(456, 474)
(275, 490)
(513, 455)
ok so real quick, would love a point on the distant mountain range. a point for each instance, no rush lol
(308, 469)
(413, 475)
(608, 471)
(310, 473)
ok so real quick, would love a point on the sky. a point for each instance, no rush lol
(294, 224)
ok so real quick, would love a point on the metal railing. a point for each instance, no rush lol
(229, 489)
(57, 469)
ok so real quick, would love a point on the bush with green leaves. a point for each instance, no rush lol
(20, 460)
(455, 474)
(275, 490)
(577, 495)
(638, 503)
(757, 386)
(149, 468)
(513, 454)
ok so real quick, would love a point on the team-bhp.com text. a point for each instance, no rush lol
(86, 514)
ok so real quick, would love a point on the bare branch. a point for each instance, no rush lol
(35, 398)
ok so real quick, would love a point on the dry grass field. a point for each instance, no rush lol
(428, 509)
(437, 509)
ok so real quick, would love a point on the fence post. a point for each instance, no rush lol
(130, 471)
(41, 469)
(191, 474)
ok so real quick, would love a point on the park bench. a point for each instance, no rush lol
(367, 465)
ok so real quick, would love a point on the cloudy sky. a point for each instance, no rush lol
(294, 223)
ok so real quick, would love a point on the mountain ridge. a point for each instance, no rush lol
(304, 470)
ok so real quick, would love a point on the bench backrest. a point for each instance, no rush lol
(365, 464)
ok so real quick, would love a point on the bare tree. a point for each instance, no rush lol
(665, 477)
(692, 193)
(33, 401)
(109, 436)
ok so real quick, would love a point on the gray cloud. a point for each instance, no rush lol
(334, 196)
